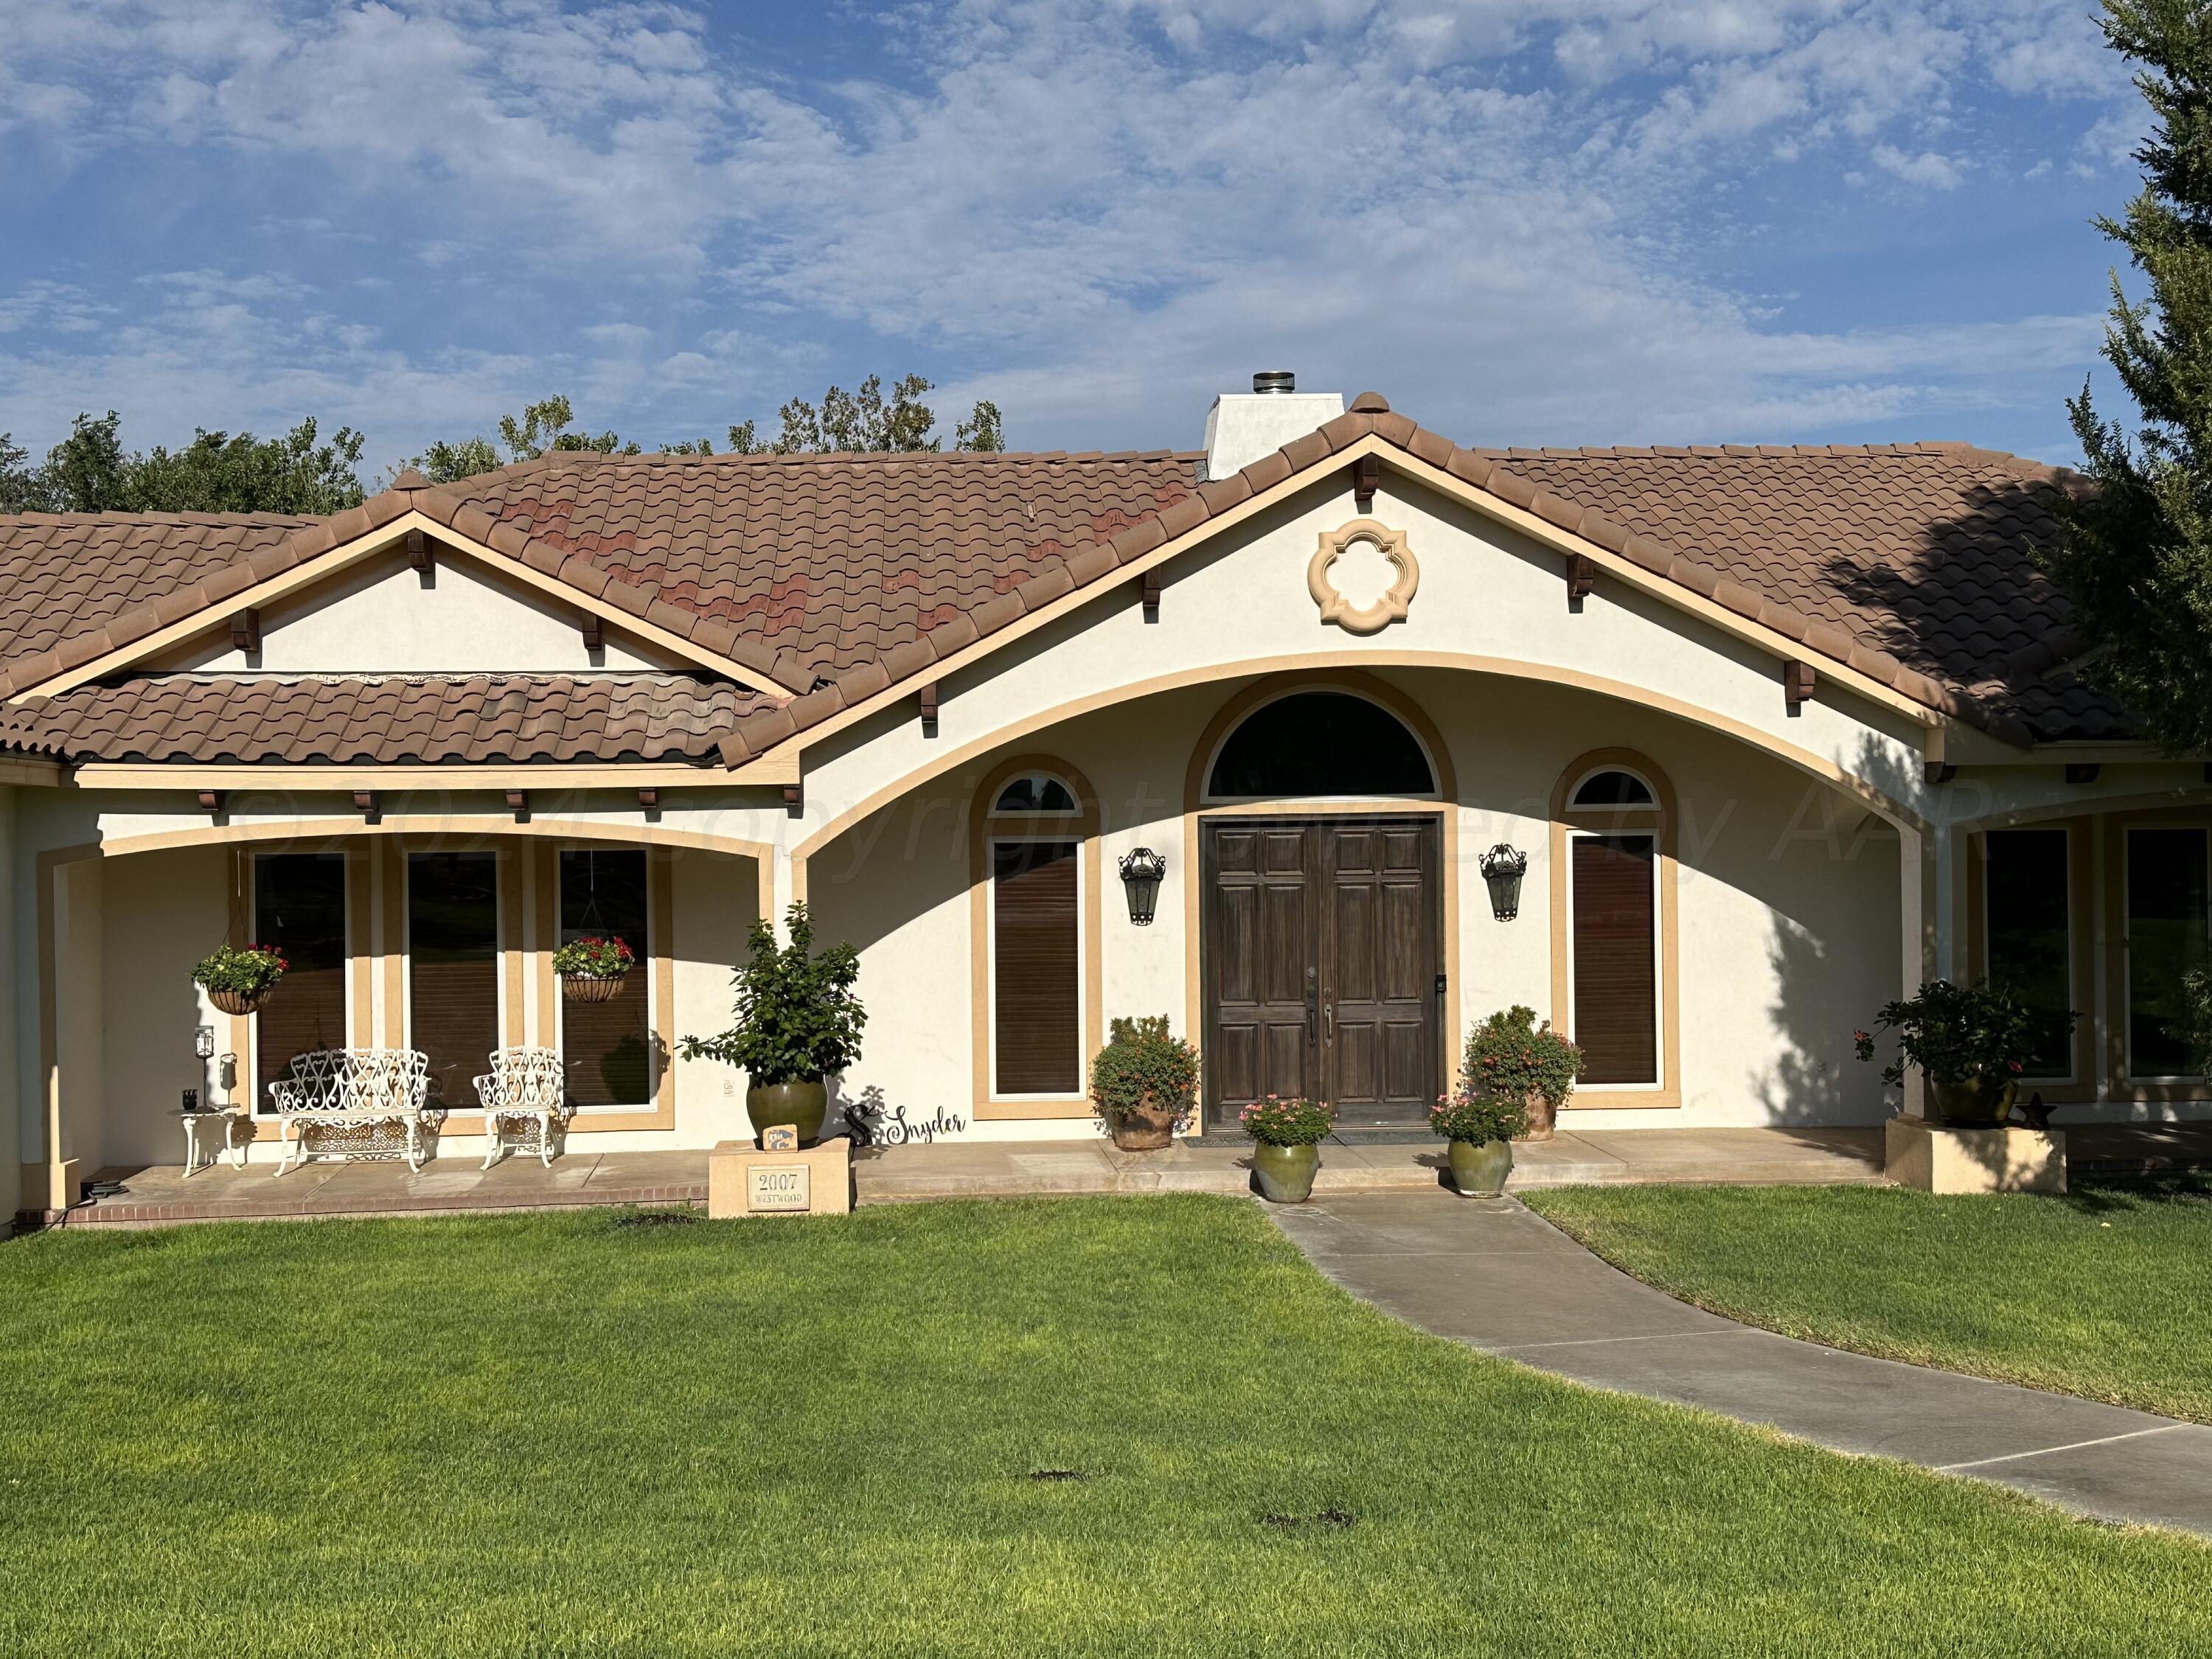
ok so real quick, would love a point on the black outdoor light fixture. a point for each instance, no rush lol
(1141, 871)
(1503, 866)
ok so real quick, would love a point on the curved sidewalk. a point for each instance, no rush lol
(1494, 1275)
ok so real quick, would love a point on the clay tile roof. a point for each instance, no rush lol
(391, 719)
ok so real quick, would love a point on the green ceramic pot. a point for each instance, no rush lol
(802, 1104)
(1980, 1102)
(1286, 1173)
(1479, 1168)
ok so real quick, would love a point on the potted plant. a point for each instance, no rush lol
(1481, 1128)
(1509, 1056)
(797, 1021)
(591, 969)
(1286, 1137)
(238, 979)
(1969, 1041)
(1142, 1082)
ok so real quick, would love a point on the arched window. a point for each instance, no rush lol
(1320, 743)
(1612, 788)
(1032, 879)
(1035, 792)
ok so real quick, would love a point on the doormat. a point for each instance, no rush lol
(1383, 1137)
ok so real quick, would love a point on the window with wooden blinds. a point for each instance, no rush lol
(299, 907)
(1615, 958)
(453, 969)
(606, 1047)
(1036, 979)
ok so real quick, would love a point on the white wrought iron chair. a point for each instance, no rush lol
(355, 1103)
(525, 1104)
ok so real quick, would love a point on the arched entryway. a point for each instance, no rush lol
(1320, 813)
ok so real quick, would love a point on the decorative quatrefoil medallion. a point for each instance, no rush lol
(1388, 548)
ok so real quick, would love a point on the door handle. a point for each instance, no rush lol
(1328, 1025)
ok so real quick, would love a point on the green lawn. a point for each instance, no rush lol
(2106, 1293)
(554, 1434)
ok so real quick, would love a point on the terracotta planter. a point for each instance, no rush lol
(1980, 1102)
(1543, 1120)
(1285, 1172)
(583, 987)
(803, 1104)
(239, 1002)
(1149, 1128)
(1479, 1168)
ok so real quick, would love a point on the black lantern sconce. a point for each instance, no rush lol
(1141, 871)
(1503, 866)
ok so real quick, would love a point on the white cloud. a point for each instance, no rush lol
(1928, 168)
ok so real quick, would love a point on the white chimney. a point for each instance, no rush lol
(1241, 427)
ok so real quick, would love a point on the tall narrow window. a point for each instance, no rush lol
(1036, 953)
(453, 969)
(299, 907)
(606, 1047)
(2167, 941)
(1614, 903)
(2027, 939)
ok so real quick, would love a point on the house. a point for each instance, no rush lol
(1778, 733)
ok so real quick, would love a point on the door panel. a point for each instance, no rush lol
(1319, 949)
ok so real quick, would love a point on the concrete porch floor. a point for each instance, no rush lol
(159, 1195)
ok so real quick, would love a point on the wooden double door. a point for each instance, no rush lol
(1322, 965)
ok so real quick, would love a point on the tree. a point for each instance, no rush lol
(982, 430)
(2136, 556)
(89, 472)
(862, 420)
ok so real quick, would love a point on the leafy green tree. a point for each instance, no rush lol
(983, 430)
(16, 480)
(89, 472)
(2136, 554)
(85, 471)
(864, 421)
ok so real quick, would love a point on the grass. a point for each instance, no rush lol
(556, 1434)
(2106, 1293)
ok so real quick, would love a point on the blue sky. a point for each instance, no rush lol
(1525, 220)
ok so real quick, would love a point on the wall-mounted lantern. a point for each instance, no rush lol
(1141, 871)
(1503, 866)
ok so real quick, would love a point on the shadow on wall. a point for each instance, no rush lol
(1810, 1086)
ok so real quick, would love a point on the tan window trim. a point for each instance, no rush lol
(1659, 822)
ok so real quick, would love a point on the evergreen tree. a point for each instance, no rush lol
(2136, 554)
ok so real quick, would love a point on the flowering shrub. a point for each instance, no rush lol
(1294, 1123)
(1955, 1033)
(1463, 1115)
(1510, 1057)
(1142, 1060)
(248, 969)
(593, 957)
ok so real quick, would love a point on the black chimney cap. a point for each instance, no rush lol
(1277, 379)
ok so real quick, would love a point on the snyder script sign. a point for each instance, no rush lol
(770, 1186)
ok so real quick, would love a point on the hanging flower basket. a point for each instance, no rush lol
(591, 968)
(240, 980)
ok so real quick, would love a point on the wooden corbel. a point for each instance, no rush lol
(1582, 577)
(212, 802)
(595, 631)
(365, 803)
(245, 630)
(795, 799)
(649, 799)
(1149, 589)
(422, 552)
(1366, 478)
(929, 709)
(2081, 772)
(1798, 680)
(518, 802)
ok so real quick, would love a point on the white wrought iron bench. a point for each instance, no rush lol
(355, 1103)
(525, 1104)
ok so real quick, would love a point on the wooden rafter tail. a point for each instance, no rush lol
(1149, 591)
(245, 630)
(518, 802)
(422, 552)
(1366, 479)
(1582, 577)
(1798, 681)
(929, 709)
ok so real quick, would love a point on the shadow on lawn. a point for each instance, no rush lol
(2120, 1194)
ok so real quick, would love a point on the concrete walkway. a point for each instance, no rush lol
(1498, 1278)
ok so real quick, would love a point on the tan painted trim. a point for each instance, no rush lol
(1804, 760)
(242, 1030)
(54, 1169)
(2119, 1085)
(1444, 805)
(1780, 645)
(1391, 607)
(343, 558)
(1083, 830)
(545, 901)
(1565, 822)
(505, 775)
(332, 834)
(1971, 909)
